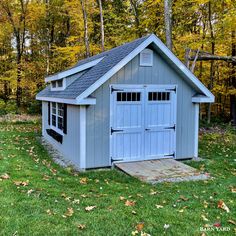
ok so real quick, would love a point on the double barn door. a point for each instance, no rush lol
(143, 120)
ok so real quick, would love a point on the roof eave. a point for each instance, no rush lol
(85, 101)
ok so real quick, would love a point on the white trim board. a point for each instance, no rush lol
(86, 101)
(72, 71)
(82, 138)
(196, 128)
(161, 46)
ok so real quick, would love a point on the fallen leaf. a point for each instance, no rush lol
(217, 224)
(21, 183)
(84, 180)
(232, 222)
(204, 218)
(183, 198)
(153, 192)
(50, 212)
(122, 198)
(89, 208)
(5, 176)
(30, 191)
(133, 233)
(166, 226)
(140, 226)
(159, 206)
(223, 206)
(233, 190)
(144, 234)
(134, 212)
(46, 177)
(81, 226)
(130, 203)
(68, 213)
(76, 201)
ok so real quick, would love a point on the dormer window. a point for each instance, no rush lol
(58, 85)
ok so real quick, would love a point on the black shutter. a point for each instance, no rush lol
(65, 119)
(49, 113)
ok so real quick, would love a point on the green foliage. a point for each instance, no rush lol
(34, 108)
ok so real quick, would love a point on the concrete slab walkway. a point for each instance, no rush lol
(164, 170)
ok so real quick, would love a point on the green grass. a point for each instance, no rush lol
(38, 208)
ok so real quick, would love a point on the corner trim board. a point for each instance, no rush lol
(82, 135)
(196, 128)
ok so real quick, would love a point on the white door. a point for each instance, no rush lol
(127, 124)
(160, 120)
(142, 122)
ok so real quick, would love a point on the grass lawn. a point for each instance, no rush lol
(37, 197)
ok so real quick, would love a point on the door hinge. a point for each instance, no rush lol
(116, 90)
(171, 127)
(170, 155)
(115, 130)
(172, 90)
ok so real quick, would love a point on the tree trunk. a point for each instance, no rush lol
(134, 5)
(102, 25)
(85, 18)
(168, 22)
(233, 82)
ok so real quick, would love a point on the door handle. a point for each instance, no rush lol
(147, 129)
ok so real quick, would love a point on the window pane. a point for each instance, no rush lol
(60, 123)
(59, 83)
(60, 109)
(168, 96)
(54, 84)
(53, 120)
(118, 97)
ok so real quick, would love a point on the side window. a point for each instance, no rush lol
(128, 97)
(57, 115)
(158, 96)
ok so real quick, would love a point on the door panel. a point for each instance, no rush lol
(127, 123)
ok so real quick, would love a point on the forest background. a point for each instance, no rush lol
(41, 37)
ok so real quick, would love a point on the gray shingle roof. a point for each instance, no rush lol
(111, 58)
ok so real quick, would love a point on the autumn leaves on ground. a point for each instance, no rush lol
(40, 198)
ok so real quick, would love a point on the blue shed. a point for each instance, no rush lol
(134, 102)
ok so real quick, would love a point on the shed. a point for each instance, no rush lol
(134, 102)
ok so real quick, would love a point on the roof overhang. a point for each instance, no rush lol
(202, 99)
(160, 46)
(86, 101)
(72, 71)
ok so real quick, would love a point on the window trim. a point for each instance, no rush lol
(55, 128)
(59, 88)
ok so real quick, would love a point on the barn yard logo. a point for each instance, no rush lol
(215, 229)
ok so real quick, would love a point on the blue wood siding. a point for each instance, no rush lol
(70, 146)
(98, 116)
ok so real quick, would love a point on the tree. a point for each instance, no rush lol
(168, 22)
(101, 24)
(16, 13)
(86, 37)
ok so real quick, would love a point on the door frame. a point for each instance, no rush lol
(139, 86)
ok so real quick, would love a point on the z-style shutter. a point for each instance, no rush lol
(65, 119)
(49, 113)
